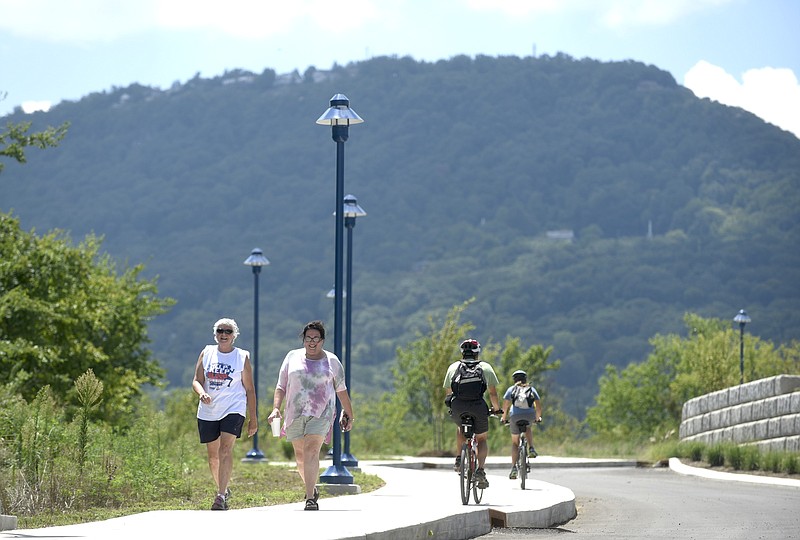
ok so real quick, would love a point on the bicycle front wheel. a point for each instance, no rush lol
(522, 464)
(465, 474)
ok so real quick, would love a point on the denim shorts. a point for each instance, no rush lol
(307, 425)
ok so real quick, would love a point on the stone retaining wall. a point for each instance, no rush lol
(765, 413)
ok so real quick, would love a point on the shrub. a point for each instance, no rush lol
(791, 463)
(751, 456)
(693, 450)
(715, 455)
(770, 461)
(734, 456)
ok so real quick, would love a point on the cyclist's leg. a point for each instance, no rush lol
(481, 438)
(460, 438)
(455, 417)
(483, 448)
(480, 410)
(514, 447)
(529, 435)
(483, 451)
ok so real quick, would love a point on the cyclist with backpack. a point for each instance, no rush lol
(525, 404)
(465, 384)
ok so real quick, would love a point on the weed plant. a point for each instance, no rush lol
(791, 464)
(58, 470)
(771, 461)
(747, 458)
(733, 456)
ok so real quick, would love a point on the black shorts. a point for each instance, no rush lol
(478, 408)
(210, 429)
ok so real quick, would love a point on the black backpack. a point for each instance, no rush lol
(468, 382)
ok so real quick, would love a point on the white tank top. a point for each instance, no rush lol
(223, 373)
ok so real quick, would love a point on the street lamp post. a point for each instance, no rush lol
(340, 117)
(351, 211)
(741, 318)
(256, 260)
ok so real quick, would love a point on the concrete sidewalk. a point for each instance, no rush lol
(420, 500)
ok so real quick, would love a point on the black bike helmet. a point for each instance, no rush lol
(470, 349)
(519, 376)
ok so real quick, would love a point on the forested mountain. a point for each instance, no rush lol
(465, 168)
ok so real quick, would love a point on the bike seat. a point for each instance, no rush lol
(467, 418)
(523, 424)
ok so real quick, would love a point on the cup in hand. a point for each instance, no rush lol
(276, 427)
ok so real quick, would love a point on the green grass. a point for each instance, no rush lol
(729, 456)
(252, 485)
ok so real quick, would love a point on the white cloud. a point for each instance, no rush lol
(84, 21)
(75, 20)
(625, 13)
(773, 94)
(33, 106)
(259, 19)
(610, 13)
(517, 8)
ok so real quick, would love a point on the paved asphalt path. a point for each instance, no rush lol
(661, 504)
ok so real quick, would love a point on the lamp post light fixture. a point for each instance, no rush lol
(742, 318)
(256, 260)
(351, 211)
(340, 117)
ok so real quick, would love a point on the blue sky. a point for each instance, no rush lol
(744, 53)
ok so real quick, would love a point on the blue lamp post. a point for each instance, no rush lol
(742, 319)
(340, 117)
(351, 211)
(256, 260)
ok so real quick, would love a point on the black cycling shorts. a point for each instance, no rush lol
(478, 408)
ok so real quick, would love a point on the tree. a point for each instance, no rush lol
(421, 367)
(647, 398)
(15, 138)
(534, 362)
(65, 310)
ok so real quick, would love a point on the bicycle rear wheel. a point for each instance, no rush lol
(522, 464)
(465, 474)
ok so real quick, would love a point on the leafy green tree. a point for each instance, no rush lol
(709, 358)
(15, 138)
(421, 367)
(65, 310)
(646, 398)
(535, 362)
(633, 401)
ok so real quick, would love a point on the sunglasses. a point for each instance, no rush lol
(224, 331)
(312, 339)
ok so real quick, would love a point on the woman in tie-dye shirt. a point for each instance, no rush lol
(310, 379)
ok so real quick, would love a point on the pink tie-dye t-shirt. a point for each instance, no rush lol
(310, 386)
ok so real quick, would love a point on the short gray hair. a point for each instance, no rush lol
(228, 322)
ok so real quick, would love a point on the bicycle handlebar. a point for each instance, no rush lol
(538, 420)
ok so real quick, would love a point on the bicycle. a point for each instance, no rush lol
(522, 452)
(469, 460)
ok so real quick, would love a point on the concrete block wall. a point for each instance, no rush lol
(765, 413)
